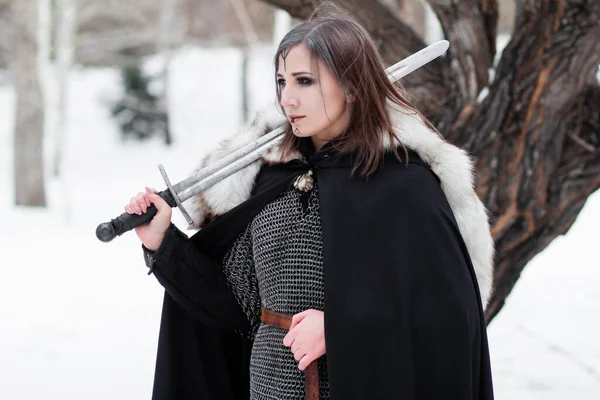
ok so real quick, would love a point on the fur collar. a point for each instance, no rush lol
(451, 164)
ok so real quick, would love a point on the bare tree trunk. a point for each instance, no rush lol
(244, 84)
(282, 25)
(65, 48)
(29, 126)
(167, 17)
(534, 129)
(433, 30)
(44, 29)
(243, 16)
(411, 12)
(536, 134)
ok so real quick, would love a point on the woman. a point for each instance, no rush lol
(352, 262)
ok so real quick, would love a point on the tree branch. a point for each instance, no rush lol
(470, 27)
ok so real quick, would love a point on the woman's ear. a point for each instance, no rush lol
(350, 98)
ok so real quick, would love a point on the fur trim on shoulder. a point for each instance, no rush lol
(236, 188)
(454, 168)
(452, 165)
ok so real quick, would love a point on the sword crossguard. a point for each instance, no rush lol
(163, 172)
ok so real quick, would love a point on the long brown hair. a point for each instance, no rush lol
(347, 49)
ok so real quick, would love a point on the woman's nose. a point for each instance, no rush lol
(288, 99)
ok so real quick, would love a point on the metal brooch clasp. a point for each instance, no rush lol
(305, 182)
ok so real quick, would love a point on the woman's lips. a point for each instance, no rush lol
(296, 119)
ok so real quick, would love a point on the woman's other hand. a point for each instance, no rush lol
(306, 337)
(151, 233)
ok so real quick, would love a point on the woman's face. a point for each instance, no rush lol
(313, 102)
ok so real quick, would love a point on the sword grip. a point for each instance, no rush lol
(125, 222)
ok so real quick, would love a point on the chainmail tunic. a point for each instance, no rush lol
(277, 263)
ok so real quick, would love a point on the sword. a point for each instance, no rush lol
(176, 194)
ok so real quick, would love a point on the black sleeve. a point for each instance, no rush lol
(196, 282)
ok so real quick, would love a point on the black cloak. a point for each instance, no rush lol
(403, 313)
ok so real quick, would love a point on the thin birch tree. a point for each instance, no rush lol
(65, 49)
(29, 126)
(164, 47)
(251, 40)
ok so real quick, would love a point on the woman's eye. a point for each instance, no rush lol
(305, 81)
(280, 82)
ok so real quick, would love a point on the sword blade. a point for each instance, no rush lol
(252, 151)
(417, 60)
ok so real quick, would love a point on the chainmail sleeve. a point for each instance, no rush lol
(238, 266)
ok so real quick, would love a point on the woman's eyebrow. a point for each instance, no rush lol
(296, 73)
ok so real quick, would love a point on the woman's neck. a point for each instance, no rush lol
(319, 143)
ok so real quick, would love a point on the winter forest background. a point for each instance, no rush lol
(94, 94)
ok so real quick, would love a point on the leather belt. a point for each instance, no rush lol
(311, 373)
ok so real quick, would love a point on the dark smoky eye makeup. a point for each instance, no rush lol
(305, 81)
(302, 81)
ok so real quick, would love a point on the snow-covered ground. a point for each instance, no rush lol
(79, 318)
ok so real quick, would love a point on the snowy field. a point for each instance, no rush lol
(79, 318)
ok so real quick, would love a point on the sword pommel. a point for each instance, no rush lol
(106, 232)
